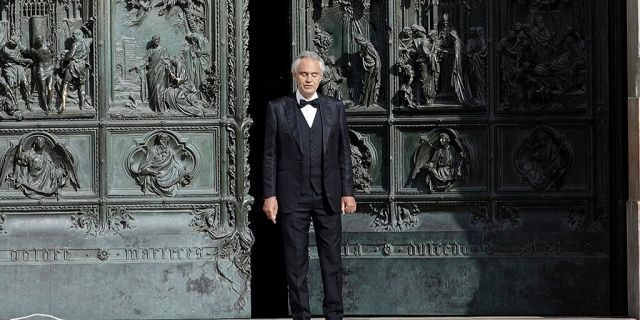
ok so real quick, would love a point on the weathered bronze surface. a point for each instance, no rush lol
(482, 153)
(123, 190)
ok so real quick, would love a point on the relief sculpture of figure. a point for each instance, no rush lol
(372, 65)
(40, 171)
(181, 95)
(448, 42)
(156, 67)
(331, 80)
(544, 160)
(13, 68)
(43, 69)
(446, 163)
(161, 170)
(75, 68)
(426, 52)
(476, 54)
(9, 104)
(444, 166)
(196, 57)
(405, 67)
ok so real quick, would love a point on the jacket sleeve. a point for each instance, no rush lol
(344, 154)
(270, 156)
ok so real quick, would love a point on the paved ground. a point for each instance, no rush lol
(472, 318)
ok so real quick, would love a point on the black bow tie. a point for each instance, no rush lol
(313, 103)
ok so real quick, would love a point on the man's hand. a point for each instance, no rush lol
(348, 205)
(270, 208)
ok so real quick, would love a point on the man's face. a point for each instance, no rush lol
(308, 76)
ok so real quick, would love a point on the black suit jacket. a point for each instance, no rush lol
(282, 167)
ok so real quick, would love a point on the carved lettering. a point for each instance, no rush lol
(150, 254)
(39, 255)
(438, 249)
(352, 249)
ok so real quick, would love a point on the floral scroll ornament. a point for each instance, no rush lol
(39, 166)
(544, 158)
(161, 163)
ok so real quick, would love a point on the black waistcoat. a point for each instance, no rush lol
(311, 139)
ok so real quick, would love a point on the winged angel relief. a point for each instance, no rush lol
(39, 166)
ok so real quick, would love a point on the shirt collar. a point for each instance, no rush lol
(299, 96)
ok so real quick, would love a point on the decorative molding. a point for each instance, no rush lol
(3, 220)
(402, 219)
(87, 219)
(90, 221)
(581, 218)
(492, 221)
(212, 222)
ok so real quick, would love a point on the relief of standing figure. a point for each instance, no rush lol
(372, 64)
(75, 67)
(43, 69)
(156, 70)
(13, 69)
(196, 57)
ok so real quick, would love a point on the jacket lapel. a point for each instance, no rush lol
(324, 116)
(291, 112)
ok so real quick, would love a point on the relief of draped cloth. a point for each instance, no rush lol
(156, 77)
(37, 176)
(161, 173)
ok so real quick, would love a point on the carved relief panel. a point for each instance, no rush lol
(162, 72)
(493, 142)
(46, 56)
(543, 56)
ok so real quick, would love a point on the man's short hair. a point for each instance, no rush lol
(310, 55)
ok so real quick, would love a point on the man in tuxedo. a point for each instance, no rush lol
(308, 176)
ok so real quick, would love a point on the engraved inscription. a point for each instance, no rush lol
(438, 249)
(151, 254)
(39, 255)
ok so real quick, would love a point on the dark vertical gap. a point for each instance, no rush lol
(618, 158)
(269, 50)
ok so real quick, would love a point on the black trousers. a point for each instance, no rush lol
(328, 230)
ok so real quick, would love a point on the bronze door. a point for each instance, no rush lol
(123, 187)
(480, 139)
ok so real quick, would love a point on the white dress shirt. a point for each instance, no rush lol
(308, 111)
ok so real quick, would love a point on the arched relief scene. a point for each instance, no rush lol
(163, 72)
(543, 54)
(352, 38)
(47, 59)
(442, 57)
